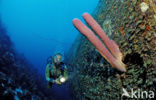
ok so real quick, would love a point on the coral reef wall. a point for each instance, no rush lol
(132, 25)
(18, 78)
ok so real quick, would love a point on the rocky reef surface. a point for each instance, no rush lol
(132, 25)
(18, 78)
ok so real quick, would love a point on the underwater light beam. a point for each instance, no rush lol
(112, 53)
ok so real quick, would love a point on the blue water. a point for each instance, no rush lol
(40, 28)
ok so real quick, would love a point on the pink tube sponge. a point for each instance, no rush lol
(110, 44)
(112, 53)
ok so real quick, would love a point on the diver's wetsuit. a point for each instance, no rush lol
(54, 71)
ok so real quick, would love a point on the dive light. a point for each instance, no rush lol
(62, 79)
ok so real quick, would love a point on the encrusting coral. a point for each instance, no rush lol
(135, 33)
(107, 48)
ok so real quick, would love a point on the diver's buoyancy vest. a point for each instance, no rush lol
(56, 70)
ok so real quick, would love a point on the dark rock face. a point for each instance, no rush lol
(134, 30)
(18, 79)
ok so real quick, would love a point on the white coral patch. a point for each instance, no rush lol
(107, 27)
(144, 6)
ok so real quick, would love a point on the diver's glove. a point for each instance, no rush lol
(57, 81)
(60, 80)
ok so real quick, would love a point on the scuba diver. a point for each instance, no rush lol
(56, 70)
